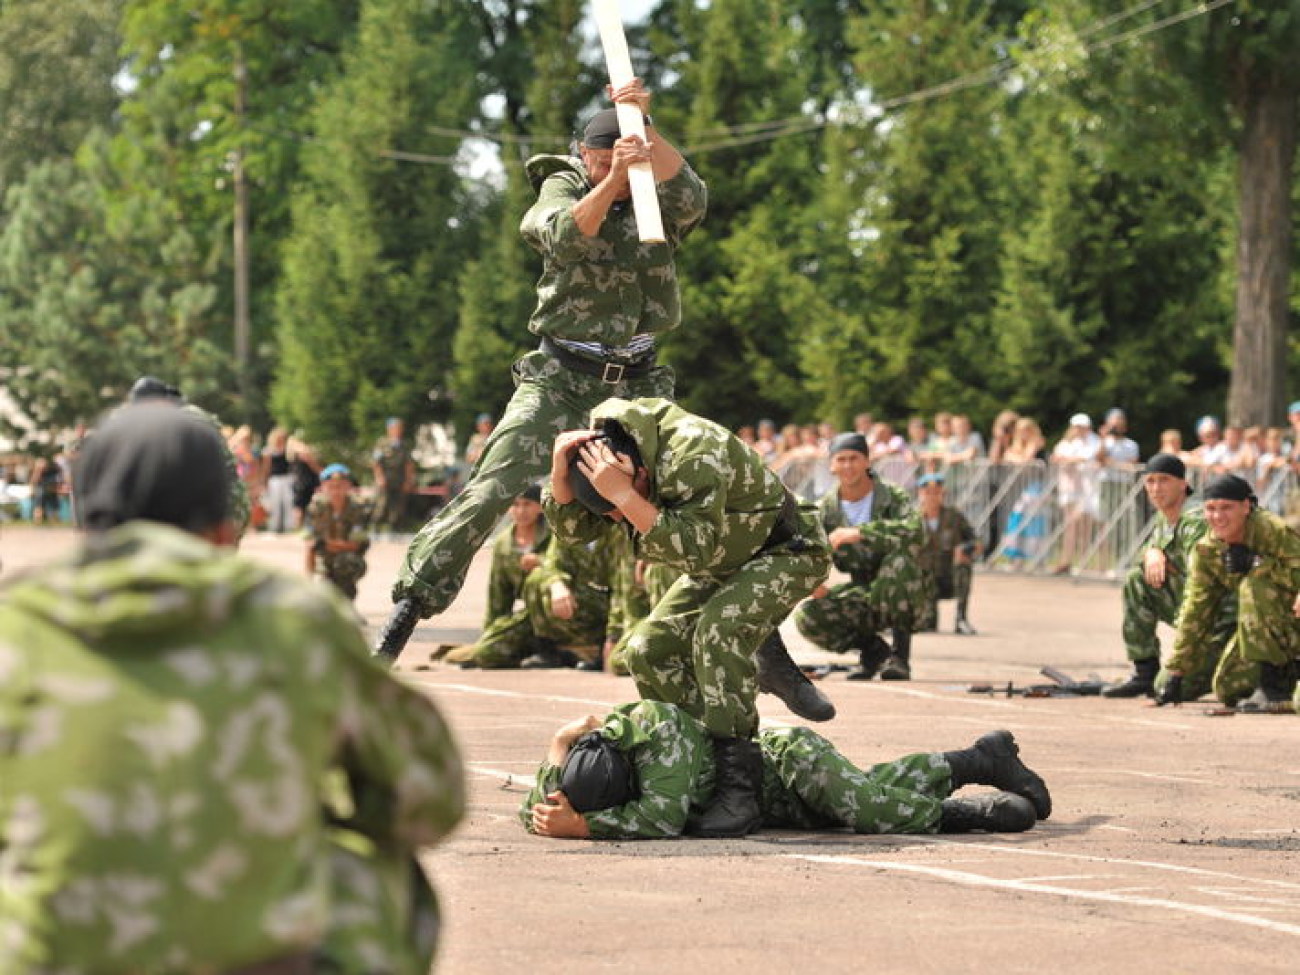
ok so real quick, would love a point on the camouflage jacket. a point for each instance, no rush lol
(895, 526)
(673, 759)
(169, 713)
(939, 546)
(608, 287)
(392, 457)
(1209, 584)
(581, 565)
(323, 524)
(717, 501)
(506, 578)
(1178, 539)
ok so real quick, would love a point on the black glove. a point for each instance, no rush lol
(1172, 692)
(1238, 559)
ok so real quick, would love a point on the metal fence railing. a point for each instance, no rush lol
(1088, 521)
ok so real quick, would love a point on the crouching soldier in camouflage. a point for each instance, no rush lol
(1153, 591)
(875, 533)
(1252, 553)
(335, 530)
(564, 617)
(203, 770)
(698, 500)
(646, 769)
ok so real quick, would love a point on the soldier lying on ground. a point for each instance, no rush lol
(647, 769)
(698, 500)
(176, 721)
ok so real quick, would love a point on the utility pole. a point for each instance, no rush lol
(242, 327)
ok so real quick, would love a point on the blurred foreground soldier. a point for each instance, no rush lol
(646, 769)
(602, 300)
(202, 768)
(394, 473)
(150, 389)
(948, 550)
(1251, 553)
(875, 535)
(699, 501)
(335, 530)
(1153, 591)
(564, 616)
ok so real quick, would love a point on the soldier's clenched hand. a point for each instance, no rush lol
(557, 818)
(610, 473)
(1154, 567)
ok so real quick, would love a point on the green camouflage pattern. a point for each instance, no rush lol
(323, 524)
(807, 784)
(887, 586)
(171, 716)
(949, 579)
(586, 570)
(1266, 631)
(718, 504)
(609, 287)
(391, 456)
(506, 577)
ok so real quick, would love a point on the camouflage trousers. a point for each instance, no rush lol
(637, 603)
(1146, 606)
(696, 648)
(847, 618)
(509, 639)
(954, 585)
(344, 569)
(807, 784)
(389, 509)
(383, 912)
(548, 399)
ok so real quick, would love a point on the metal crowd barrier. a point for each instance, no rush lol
(1087, 521)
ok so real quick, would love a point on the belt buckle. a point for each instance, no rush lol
(612, 374)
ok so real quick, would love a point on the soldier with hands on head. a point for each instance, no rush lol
(1250, 553)
(204, 770)
(603, 299)
(875, 534)
(698, 500)
(646, 770)
(335, 530)
(948, 550)
(1153, 589)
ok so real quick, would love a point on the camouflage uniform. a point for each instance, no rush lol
(887, 588)
(718, 505)
(585, 570)
(1146, 606)
(807, 784)
(322, 525)
(173, 719)
(506, 577)
(631, 602)
(607, 289)
(949, 578)
(1267, 631)
(392, 456)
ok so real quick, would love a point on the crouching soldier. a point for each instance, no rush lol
(335, 529)
(700, 501)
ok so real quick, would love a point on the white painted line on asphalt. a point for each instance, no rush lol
(1229, 893)
(1145, 723)
(1117, 829)
(495, 692)
(1118, 861)
(511, 778)
(1029, 887)
(1141, 775)
(1275, 832)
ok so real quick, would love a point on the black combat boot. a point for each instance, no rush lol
(1274, 688)
(899, 664)
(401, 624)
(1141, 682)
(779, 675)
(737, 784)
(994, 760)
(870, 659)
(993, 812)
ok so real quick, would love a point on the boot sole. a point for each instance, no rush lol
(1023, 781)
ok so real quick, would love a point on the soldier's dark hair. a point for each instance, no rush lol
(621, 442)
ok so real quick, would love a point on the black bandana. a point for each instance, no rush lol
(602, 130)
(850, 441)
(1227, 487)
(597, 775)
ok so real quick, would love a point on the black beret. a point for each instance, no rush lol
(597, 775)
(850, 441)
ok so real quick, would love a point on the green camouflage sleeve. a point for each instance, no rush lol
(1207, 586)
(686, 535)
(683, 201)
(549, 227)
(503, 577)
(895, 524)
(571, 522)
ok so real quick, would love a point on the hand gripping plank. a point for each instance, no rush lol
(641, 179)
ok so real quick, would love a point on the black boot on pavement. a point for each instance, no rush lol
(899, 664)
(1142, 682)
(994, 760)
(993, 812)
(779, 675)
(1274, 688)
(401, 624)
(738, 780)
(870, 659)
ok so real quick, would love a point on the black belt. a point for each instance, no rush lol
(607, 372)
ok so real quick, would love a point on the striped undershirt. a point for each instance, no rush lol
(641, 347)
